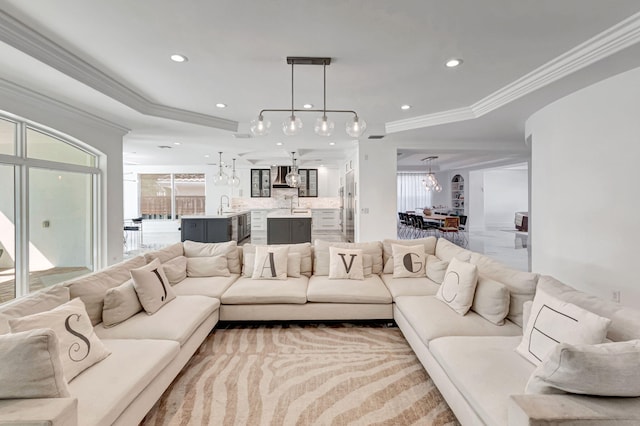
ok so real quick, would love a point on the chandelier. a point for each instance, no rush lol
(354, 127)
(430, 182)
(293, 177)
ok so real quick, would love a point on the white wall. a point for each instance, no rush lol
(505, 193)
(585, 152)
(475, 203)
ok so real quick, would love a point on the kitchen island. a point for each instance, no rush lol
(228, 226)
(289, 226)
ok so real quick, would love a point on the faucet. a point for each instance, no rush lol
(220, 208)
(290, 198)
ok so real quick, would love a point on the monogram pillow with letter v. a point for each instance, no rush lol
(345, 264)
(152, 286)
(408, 261)
(79, 346)
(270, 263)
(459, 286)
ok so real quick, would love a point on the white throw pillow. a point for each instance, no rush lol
(294, 264)
(228, 249)
(436, 268)
(554, 321)
(459, 286)
(270, 263)
(120, 304)
(152, 286)
(408, 261)
(175, 269)
(491, 300)
(608, 369)
(213, 266)
(346, 263)
(80, 348)
(30, 366)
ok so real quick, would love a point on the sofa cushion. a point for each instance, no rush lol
(436, 268)
(459, 286)
(34, 303)
(431, 318)
(247, 291)
(213, 266)
(92, 288)
(345, 264)
(304, 249)
(321, 254)
(30, 366)
(446, 250)
(204, 286)
(175, 321)
(491, 300)
(369, 290)
(152, 286)
(165, 254)
(422, 286)
(554, 321)
(408, 261)
(486, 370)
(175, 269)
(107, 388)
(270, 263)
(120, 303)
(521, 285)
(229, 249)
(80, 348)
(429, 244)
(609, 369)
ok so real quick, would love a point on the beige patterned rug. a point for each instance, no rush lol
(312, 374)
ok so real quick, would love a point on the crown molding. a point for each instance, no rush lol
(27, 40)
(12, 90)
(608, 42)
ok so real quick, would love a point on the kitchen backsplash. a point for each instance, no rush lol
(280, 199)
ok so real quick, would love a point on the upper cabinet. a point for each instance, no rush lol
(308, 183)
(260, 183)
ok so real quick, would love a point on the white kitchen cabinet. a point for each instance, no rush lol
(325, 220)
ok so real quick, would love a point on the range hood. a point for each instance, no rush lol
(280, 172)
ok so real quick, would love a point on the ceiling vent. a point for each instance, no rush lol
(241, 135)
(164, 147)
(376, 136)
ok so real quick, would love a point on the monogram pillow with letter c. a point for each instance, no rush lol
(346, 264)
(79, 346)
(408, 261)
(152, 286)
(459, 286)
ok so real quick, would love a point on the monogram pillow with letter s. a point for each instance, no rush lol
(79, 346)
(408, 261)
(459, 286)
(345, 264)
(152, 286)
(270, 263)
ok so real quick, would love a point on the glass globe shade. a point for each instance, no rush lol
(356, 127)
(323, 127)
(293, 178)
(220, 179)
(292, 126)
(234, 181)
(260, 126)
(437, 188)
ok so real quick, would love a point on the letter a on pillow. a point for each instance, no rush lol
(270, 263)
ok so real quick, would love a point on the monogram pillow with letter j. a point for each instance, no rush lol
(152, 286)
(345, 264)
(79, 346)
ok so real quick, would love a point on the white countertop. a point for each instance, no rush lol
(286, 213)
(225, 215)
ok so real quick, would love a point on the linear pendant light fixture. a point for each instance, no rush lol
(355, 127)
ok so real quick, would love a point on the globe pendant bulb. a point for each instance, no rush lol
(260, 126)
(292, 126)
(356, 127)
(323, 127)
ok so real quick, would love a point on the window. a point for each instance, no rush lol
(166, 196)
(412, 194)
(52, 237)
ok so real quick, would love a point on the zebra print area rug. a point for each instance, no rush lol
(320, 374)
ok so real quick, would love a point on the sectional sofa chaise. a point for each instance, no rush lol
(476, 326)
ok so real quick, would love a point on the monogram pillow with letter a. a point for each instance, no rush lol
(270, 263)
(459, 286)
(79, 346)
(152, 286)
(408, 261)
(345, 264)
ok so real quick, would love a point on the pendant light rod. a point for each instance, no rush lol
(292, 113)
(349, 111)
(324, 91)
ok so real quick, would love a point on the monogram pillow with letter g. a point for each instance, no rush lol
(345, 264)
(152, 286)
(408, 261)
(459, 286)
(79, 346)
(270, 263)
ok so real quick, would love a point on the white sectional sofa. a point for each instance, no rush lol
(471, 357)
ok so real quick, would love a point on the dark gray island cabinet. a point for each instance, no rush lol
(215, 229)
(285, 228)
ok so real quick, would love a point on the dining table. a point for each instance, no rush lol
(440, 218)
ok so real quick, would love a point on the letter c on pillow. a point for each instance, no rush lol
(450, 286)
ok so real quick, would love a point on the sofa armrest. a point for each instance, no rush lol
(572, 410)
(39, 412)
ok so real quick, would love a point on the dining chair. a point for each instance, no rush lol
(450, 229)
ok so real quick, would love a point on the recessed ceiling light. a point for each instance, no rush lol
(279, 143)
(307, 106)
(179, 58)
(454, 62)
(332, 143)
(176, 143)
(221, 105)
(405, 107)
(206, 156)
